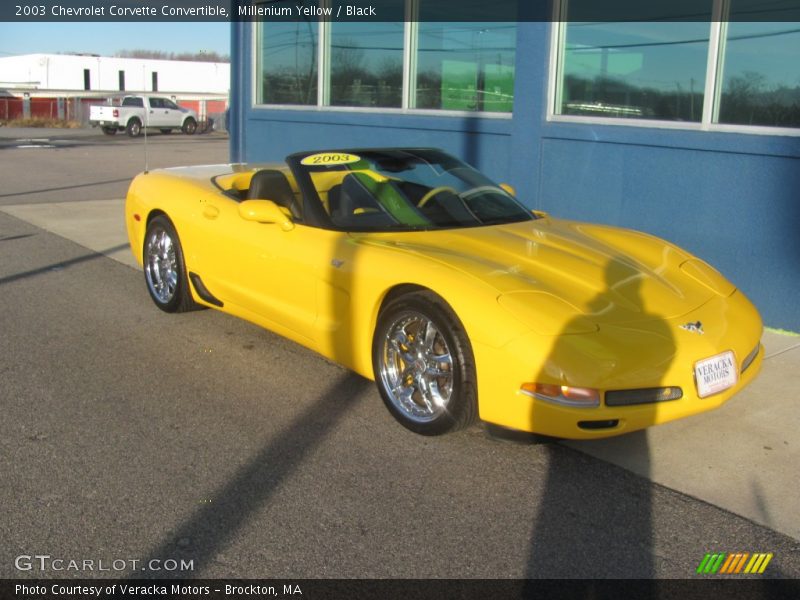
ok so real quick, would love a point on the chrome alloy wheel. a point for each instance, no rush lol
(161, 265)
(416, 367)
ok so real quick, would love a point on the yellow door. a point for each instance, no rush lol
(259, 267)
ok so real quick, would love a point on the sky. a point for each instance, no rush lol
(108, 38)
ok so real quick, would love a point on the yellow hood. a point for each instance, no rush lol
(605, 274)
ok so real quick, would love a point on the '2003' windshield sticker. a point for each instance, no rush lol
(330, 158)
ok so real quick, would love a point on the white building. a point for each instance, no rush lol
(81, 75)
(63, 86)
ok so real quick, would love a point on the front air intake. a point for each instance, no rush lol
(595, 425)
(642, 396)
(748, 360)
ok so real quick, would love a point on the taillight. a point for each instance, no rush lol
(116, 112)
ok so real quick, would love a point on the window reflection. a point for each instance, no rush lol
(761, 78)
(367, 64)
(289, 62)
(466, 66)
(635, 70)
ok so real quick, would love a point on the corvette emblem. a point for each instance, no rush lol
(696, 327)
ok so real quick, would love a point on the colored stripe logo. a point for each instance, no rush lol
(735, 563)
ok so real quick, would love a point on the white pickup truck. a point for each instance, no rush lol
(136, 112)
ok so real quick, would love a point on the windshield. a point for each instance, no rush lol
(380, 190)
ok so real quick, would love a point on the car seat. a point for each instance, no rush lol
(271, 184)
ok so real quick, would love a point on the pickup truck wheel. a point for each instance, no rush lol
(134, 127)
(109, 130)
(189, 126)
(165, 131)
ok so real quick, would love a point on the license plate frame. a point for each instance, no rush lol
(716, 374)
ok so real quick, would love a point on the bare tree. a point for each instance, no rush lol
(200, 56)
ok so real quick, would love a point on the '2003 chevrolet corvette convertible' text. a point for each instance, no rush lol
(412, 268)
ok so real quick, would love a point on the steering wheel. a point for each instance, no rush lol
(434, 192)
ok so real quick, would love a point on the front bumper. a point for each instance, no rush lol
(657, 353)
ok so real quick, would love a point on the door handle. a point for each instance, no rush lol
(210, 212)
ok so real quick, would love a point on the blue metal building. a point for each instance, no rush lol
(686, 130)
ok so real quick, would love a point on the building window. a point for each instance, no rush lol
(635, 70)
(154, 77)
(122, 81)
(87, 79)
(288, 63)
(761, 82)
(366, 64)
(462, 67)
(714, 70)
(465, 66)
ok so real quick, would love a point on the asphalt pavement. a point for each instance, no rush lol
(129, 433)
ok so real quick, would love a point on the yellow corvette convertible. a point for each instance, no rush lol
(413, 269)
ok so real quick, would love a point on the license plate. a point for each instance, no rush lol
(716, 374)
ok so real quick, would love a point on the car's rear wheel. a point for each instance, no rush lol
(423, 365)
(109, 130)
(164, 268)
(189, 126)
(134, 127)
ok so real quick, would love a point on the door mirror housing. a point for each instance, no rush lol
(265, 211)
(509, 189)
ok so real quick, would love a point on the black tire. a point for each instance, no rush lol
(165, 131)
(134, 128)
(189, 126)
(164, 268)
(109, 130)
(424, 366)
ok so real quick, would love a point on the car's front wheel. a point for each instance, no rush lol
(423, 364)
(164, 268)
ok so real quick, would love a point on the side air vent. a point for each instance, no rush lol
(202, 290)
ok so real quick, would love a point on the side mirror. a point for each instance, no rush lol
(508, 189)
(265, 211)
